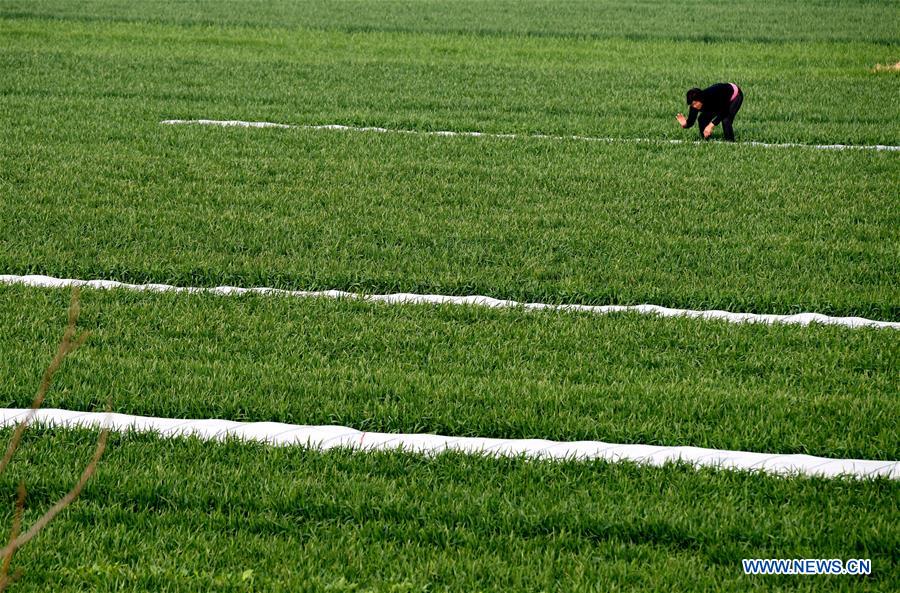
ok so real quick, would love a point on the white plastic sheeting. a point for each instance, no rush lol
(265, 124)
(409, 298)
(327, 437)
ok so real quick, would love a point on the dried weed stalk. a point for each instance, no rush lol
(67, 345)
(5, 579)
(887, 67)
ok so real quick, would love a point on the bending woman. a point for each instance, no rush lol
(716, 104)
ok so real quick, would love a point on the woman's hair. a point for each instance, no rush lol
(694, 94)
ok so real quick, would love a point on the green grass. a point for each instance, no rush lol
(464, 371)
(91, 186)
(522, 219)
(95, 187)
(618, 87)
(740, 229)
(189, 516)
(698, 20)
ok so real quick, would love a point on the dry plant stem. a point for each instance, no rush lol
(887, 67)
(14, 533)
(66, 346)
(62, 503)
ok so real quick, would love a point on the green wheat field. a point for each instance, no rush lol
(92, 186)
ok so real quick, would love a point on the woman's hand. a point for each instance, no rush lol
(681, 119)
(708, 130)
